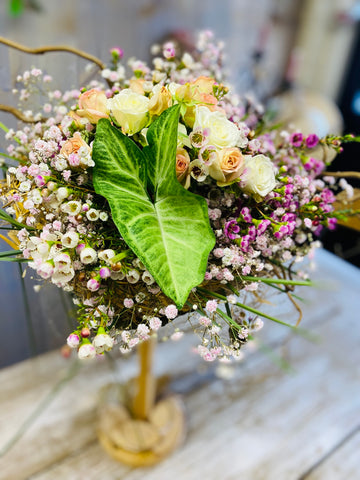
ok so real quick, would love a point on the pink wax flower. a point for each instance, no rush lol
(40, 181)
(93, 285)
(296, 139)
(332, 223)
(73, 340)
(104, 272)
(231, 229)
(311, 140)
(169, 50)
(117, 52)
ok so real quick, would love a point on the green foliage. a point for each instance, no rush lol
(16, 7)
(16, 225)
(165, 225)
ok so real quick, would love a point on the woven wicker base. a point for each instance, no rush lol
(141, 443)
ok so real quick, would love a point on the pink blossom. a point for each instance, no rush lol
(311, 140)
(211, 306)
(93, 285)
(155, 323)
(73, 160)
(171, 312)
(252, 287)
(176, 336)
(143, 331)
(40, 181)
(104, 272)
(169, 50)
(133, 342)
(117, 52)
(296, 139)
(73, 340)
(205, 321)
(128, 303)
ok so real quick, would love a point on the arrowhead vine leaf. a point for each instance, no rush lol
(166, 226)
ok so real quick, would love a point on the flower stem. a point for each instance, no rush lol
(281, 281)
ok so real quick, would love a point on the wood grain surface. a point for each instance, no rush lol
(251, 421)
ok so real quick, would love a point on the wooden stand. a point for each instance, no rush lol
(135, 429)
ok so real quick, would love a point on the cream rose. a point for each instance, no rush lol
(92, 105)
(228, 166)
(259, 176)
(130, 110)
(223, 133)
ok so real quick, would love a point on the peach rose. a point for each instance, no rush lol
(228, 166)
(182, 163)
(210, 102)
(160, 100)
(136, 85)
(205, 84)
(92, 105)
(73, 145)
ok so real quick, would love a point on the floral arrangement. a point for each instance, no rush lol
(160, 192)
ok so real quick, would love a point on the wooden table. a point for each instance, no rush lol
(263, 423)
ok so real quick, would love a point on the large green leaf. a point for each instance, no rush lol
(165, 225)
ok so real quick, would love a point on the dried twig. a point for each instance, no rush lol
(38, 51)
(56, 48)
(350, 174)
(17, 113)
(291, 298)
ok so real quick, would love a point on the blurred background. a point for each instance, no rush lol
(299, 56)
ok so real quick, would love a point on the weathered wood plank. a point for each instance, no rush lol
(344, 464)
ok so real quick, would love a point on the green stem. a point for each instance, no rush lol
(274, 357)
(285, 291)
(6, 129)
(120, 256)
(2, 154)
(304, 333)
(33, 347)
(10, 253)
(228, 319)
(278, 280)
(66, 308)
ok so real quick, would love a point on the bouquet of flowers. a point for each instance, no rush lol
(160, 192)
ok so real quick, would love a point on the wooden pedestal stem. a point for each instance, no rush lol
(144, 399)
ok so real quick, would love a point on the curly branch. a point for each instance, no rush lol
(291, 298)
(14, 111)
(341, 174)
(58, 48)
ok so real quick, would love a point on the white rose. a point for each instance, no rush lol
(223, 133)
(259, 176)
(130, 110)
